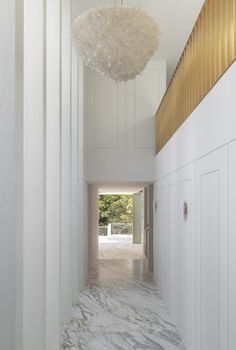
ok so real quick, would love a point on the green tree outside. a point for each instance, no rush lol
(115, 209)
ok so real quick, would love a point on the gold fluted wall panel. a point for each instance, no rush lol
(210, 50)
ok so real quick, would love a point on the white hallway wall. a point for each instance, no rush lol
(41, 167)
(8, 218)
(120, 121)
(46, 174)
(194, 257)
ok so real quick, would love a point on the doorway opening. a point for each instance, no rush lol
(121, 225)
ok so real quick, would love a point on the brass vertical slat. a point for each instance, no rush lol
(212, 39)
(234, 26)
(203, 54)
(220, 38)
(196, 61)
(189, 99)
(225, 58)
(210, 50)
(208, 47)
(183, 88)
(204, 49)
(231, 31)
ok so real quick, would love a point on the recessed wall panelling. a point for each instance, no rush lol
(142, 94)
(106, 125)
(74, 176)
(66, 283)
(53, 177)
(162, 240)
(173, 245)
(232, 246)
(212, 247)
(186, 321)
(34, 249)
(10, 130)
(120, 117)
(105, 115)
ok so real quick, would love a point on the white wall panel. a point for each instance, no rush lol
(8, 171)
(143, 96)
(186, 321)
(34, 178)
(53, 131)
(120, 169)
(82, 234)
(82, 106)
(212, 245)
(79, 186)
(74, 176)
(19, 111)
(173, 250)
(66, 282)
(161, 239)
(232, 246)
(105, 115)
(120, 125)
(92, 224)
(82, 185)
(106, 123)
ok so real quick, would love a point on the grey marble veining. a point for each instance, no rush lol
(120, 310)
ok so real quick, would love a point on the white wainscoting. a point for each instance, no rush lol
(194, 256)
(232, 245)
(120, 125)
(186, 178)
(191, 253)
(212, 251)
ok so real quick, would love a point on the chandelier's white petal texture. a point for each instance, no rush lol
(116, 41)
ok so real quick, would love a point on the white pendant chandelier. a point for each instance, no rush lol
(116, 41)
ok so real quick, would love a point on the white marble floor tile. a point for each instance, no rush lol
(120, 310)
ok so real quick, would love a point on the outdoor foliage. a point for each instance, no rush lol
(115, 209)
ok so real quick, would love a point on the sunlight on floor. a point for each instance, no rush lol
(119, 247)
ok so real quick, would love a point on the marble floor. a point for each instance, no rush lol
(120, 310)
(119, 247)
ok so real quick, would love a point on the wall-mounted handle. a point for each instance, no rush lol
(155, 205)
(185, 210)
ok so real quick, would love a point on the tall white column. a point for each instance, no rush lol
(93, 227)
(82, 184)
(74, 178)
(53, 239)
(137, 218)
(7, 175)
(34, 249)
(66, 280)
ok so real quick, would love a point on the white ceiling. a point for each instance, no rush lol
(176, 19)
(124, 188)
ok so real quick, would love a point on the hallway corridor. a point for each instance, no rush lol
(121, 309)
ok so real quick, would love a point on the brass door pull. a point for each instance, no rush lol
(185, 210)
